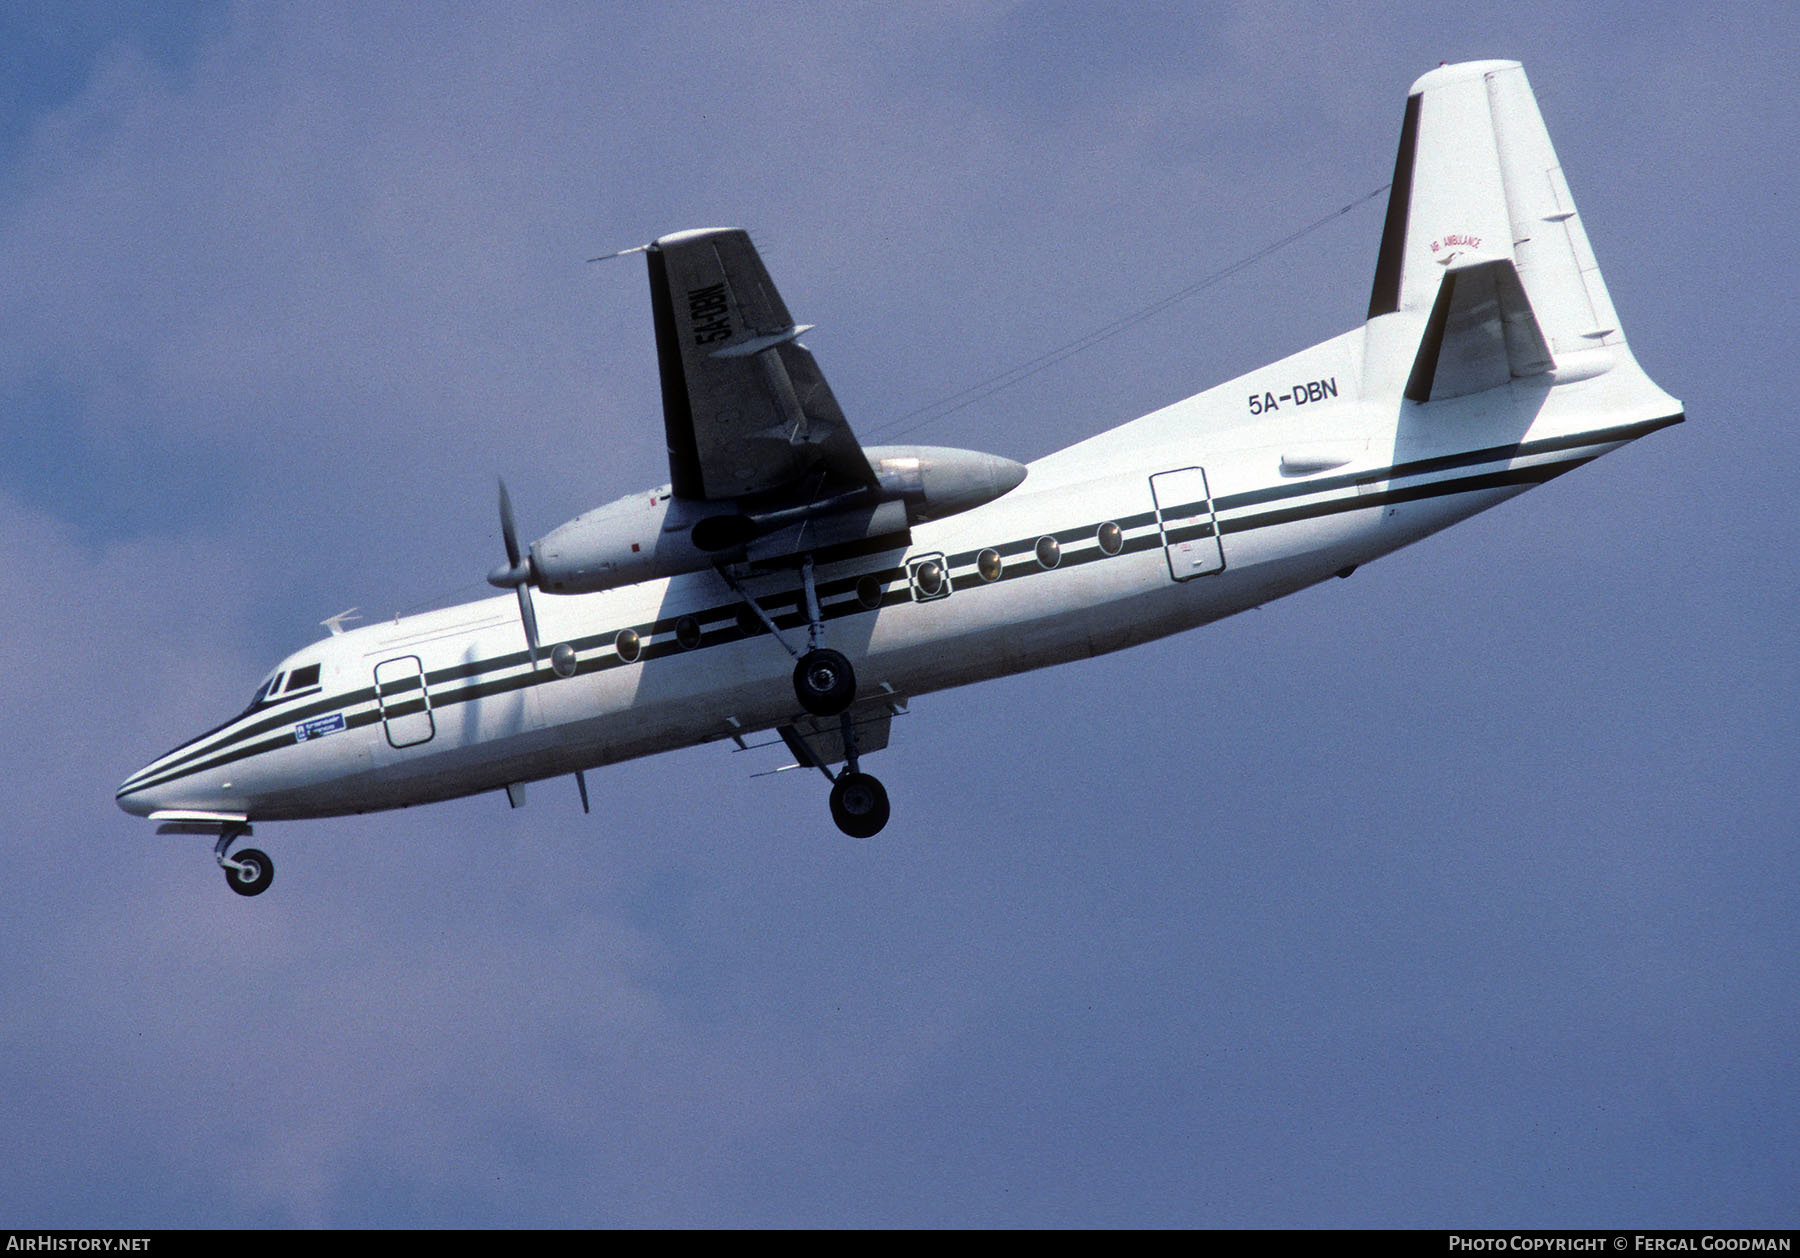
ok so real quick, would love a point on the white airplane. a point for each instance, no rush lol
(1491, 361)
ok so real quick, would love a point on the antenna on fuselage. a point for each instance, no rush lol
(336, 623)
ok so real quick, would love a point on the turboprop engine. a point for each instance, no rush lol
(656, 534)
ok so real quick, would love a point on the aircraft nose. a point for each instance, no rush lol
(139, 803)
(141, 794)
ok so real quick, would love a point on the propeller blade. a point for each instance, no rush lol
(508, 533)
(517, 574)
(529, 616)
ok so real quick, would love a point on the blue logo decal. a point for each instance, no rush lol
(318, 727)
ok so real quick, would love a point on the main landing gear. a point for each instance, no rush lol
(824, 682)
(249, 872)
(859, 804)
(825, 685)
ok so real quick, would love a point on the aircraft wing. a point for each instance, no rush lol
(746, 410)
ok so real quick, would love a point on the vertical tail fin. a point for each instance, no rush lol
(1478, 195)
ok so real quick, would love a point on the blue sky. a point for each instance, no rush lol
(1461, 892)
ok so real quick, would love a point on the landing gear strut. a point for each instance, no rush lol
(249, 872)
(824, 681)
(825, 685)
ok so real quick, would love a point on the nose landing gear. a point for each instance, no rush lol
(249, 872)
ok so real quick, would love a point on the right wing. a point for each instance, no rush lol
(745, 408)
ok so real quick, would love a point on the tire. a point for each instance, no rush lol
(255, 877)
(824, 682)
(859, 805)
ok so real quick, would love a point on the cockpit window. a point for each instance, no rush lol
(265, 694)
(303, 678)
(279, 685)
(259, 698)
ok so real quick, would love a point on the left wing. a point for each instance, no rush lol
(746, 410)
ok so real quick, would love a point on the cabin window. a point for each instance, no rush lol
(747, 622)
(1049, 552)
(989, 565)
(627, 645)
(930, 578)
(687, 632)
(1111, 538)
(868, 592)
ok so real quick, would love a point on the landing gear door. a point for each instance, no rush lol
(1190, 531)
(405, 703)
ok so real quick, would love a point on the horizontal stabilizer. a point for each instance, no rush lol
(1481, 334)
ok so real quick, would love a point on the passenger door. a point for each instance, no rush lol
(1190, 530)
(405, 702)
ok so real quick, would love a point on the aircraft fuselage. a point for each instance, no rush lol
(1234, 497)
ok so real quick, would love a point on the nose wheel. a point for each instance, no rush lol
(249, 872)
(252, 874)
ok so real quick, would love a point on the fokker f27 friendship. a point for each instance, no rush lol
(790, 579)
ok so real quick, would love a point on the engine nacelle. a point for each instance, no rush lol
(655, 534)
(937, 481)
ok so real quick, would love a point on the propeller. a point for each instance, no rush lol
(516, 575)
